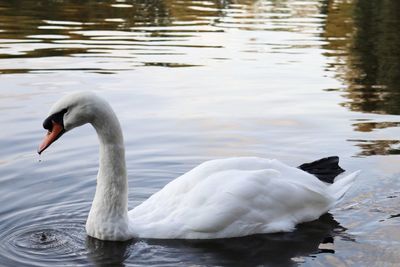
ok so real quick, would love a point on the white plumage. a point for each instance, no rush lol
(234, 197)
(218, 199)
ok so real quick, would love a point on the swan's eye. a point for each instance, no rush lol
(56, 117)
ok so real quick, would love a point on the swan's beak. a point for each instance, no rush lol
(52, 135)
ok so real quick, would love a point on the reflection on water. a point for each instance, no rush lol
(107, 253)
(141, 33)
(197, 80)
(377, 57)
(367, 53)
(366, 56)
(378, 147)
(310, 238)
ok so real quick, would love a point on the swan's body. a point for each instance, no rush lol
(217, 199)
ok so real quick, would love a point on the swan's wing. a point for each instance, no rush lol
(181, 186)
(253, 202)
(218, 201)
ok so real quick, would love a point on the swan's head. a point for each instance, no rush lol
(70, 111)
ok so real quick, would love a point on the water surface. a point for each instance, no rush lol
(192, 81)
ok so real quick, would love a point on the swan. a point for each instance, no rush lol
(220, 198)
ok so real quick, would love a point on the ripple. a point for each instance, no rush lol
(57, 242)
(45, 235)
(61, 239)
(48, 36)
(55, 236)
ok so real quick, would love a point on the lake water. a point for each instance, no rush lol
(192, 81)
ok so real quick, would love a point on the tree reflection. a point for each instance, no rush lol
(364, 38)
(90, 15)
(378, 147)
(363, 41)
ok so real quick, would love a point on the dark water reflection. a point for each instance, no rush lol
(106, 253)
(366, 52)
(309, 239)
(197, 80)
(371, 55)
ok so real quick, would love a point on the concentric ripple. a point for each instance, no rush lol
(47, 238)
(62, 240)
(57, 239)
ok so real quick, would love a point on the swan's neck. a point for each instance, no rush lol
(108, 217)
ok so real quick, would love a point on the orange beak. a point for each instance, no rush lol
(51, 136)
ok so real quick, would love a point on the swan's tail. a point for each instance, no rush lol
(325, 169)
(341, 185)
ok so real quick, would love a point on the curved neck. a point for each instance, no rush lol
(112, 169)
(110, 205)
(112, 183)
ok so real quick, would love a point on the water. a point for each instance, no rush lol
(192, 81)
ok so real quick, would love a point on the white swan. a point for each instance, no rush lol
(218, 199)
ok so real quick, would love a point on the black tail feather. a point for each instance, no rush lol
(325, 169)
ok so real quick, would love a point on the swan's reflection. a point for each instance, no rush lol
(107, 253)
(281, 249)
